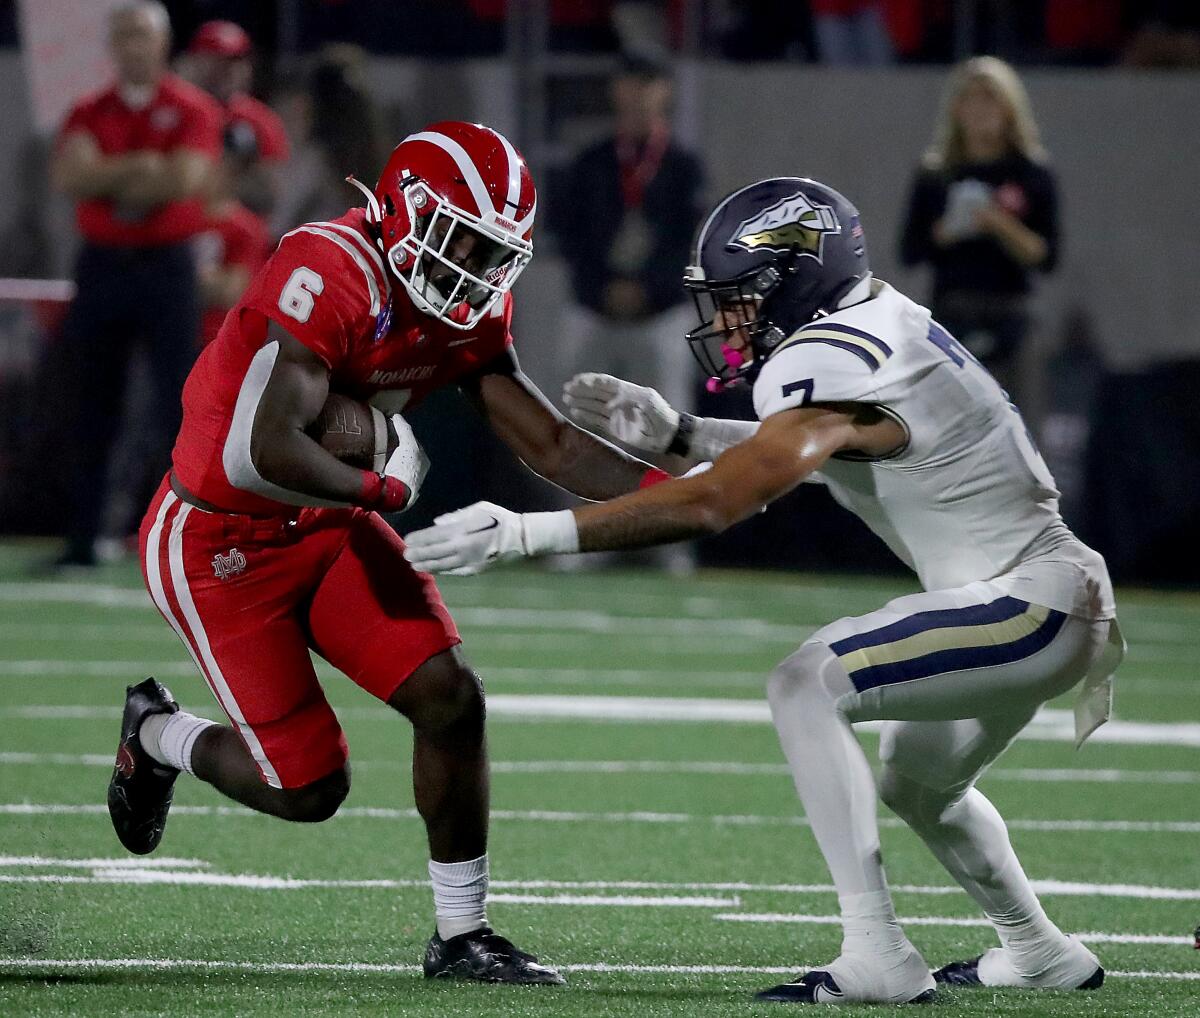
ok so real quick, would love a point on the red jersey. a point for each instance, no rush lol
(235, 237)
(327, 286)
(265, 122)
(178, 116)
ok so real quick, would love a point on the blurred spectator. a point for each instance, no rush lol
(574, 25)
(135, 157)
(335, 124)
(984, 213)
(768, 30)
(851, 32)
(1168, 35)
(235, 243)
(625, 229)
(219, 61)
(1083, 33)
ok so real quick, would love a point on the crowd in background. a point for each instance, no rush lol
(981, 211)
(1148, 33)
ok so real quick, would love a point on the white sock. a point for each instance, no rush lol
(869, 924)
(836, 786)
(170, 738)
(459, 895)
(971, 840)
(829, 768)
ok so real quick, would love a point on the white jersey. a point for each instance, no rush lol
(968, 496)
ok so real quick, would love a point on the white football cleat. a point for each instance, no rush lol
(901, 977)
(1073, 968)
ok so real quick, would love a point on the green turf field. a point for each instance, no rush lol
(646, 838)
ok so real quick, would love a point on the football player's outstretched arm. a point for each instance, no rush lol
(780, 455)
(276, 458)
(787, 448)
(544, 440)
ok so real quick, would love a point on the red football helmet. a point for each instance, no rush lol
(455, 206)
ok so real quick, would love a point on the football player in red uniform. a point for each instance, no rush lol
(262, 546)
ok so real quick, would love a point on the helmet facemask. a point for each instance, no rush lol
(424, 261)
(733, 337)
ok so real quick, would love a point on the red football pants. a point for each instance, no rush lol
(249, 597)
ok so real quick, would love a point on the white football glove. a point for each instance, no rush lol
(467, 541)
(633, 414)
(408, 462)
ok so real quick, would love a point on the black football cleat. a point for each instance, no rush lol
(966, 973)
(486, 957)
(818, 987)
(139, 794)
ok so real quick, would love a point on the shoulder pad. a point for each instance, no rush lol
(822, 363)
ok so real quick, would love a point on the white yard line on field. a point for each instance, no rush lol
(1058, 888)
(158, 862)
(467, 616)
(268, 967)
(542, 610)
(639, 817)
(714, 767)
(1049, 725)
(947, 921)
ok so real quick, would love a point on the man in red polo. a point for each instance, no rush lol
(135, 157)
(219, 57)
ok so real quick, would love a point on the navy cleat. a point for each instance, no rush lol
(818, 987)
(959, 973)
(139, 794)
(486, 957)
(966, 973)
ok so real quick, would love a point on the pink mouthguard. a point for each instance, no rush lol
(735, 359)
(732, 357)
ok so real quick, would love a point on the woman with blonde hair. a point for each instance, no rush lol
(984, 213)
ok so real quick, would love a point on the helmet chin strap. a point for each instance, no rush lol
(374, 212)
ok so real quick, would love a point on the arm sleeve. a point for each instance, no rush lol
(813, 370)
(926, 203)
(317, 292)
(715, 435)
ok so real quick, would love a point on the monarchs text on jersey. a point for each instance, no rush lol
(327, 286)
(967, 497)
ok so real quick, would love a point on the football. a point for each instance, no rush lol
(346, 429)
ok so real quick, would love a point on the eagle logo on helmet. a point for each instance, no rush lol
(791, 224)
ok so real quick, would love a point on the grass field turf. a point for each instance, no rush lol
(585, 803)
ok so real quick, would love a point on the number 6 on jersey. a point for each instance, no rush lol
(302, 286)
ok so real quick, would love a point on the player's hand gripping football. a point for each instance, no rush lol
(467, 541)
(634, 414)
(408, 462)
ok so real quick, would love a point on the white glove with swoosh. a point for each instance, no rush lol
(633, 414)
(408, 462)
(467, 541)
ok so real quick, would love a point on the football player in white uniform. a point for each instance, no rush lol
(858, 388)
